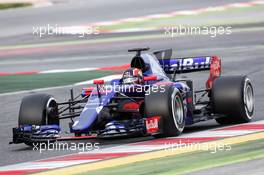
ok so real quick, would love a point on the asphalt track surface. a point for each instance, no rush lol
(241, 53)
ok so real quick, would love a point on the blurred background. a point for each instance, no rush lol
(52, 45)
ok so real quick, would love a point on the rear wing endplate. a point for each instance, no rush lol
(189, 64)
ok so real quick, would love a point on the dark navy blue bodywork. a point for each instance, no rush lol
(95, 104)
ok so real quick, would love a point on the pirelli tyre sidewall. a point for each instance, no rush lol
(35, 110)
(168, 104)
(233, 97)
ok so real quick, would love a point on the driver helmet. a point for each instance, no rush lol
(133, 76)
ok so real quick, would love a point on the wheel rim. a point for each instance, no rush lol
(50, 104)
(177, 111)
(249, 99)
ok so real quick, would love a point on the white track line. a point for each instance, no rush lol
(67, 70)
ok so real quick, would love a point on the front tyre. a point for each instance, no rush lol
(233, 97)
(168, 104)
(38, 109)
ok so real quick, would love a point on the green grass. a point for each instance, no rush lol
(14, 5)
(190, 162)
(29, 82)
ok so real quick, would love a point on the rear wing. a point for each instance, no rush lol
(189, 64)
(184, 65)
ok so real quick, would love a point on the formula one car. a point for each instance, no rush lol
(149, 99)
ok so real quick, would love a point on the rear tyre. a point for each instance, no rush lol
(168, 104)
(233, 97)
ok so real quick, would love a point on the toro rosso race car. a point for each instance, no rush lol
(149, 99)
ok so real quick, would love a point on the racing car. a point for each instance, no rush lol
(149, 99)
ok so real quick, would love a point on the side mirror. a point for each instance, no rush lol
(98, 82)
(87, 91)
(150, 78)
